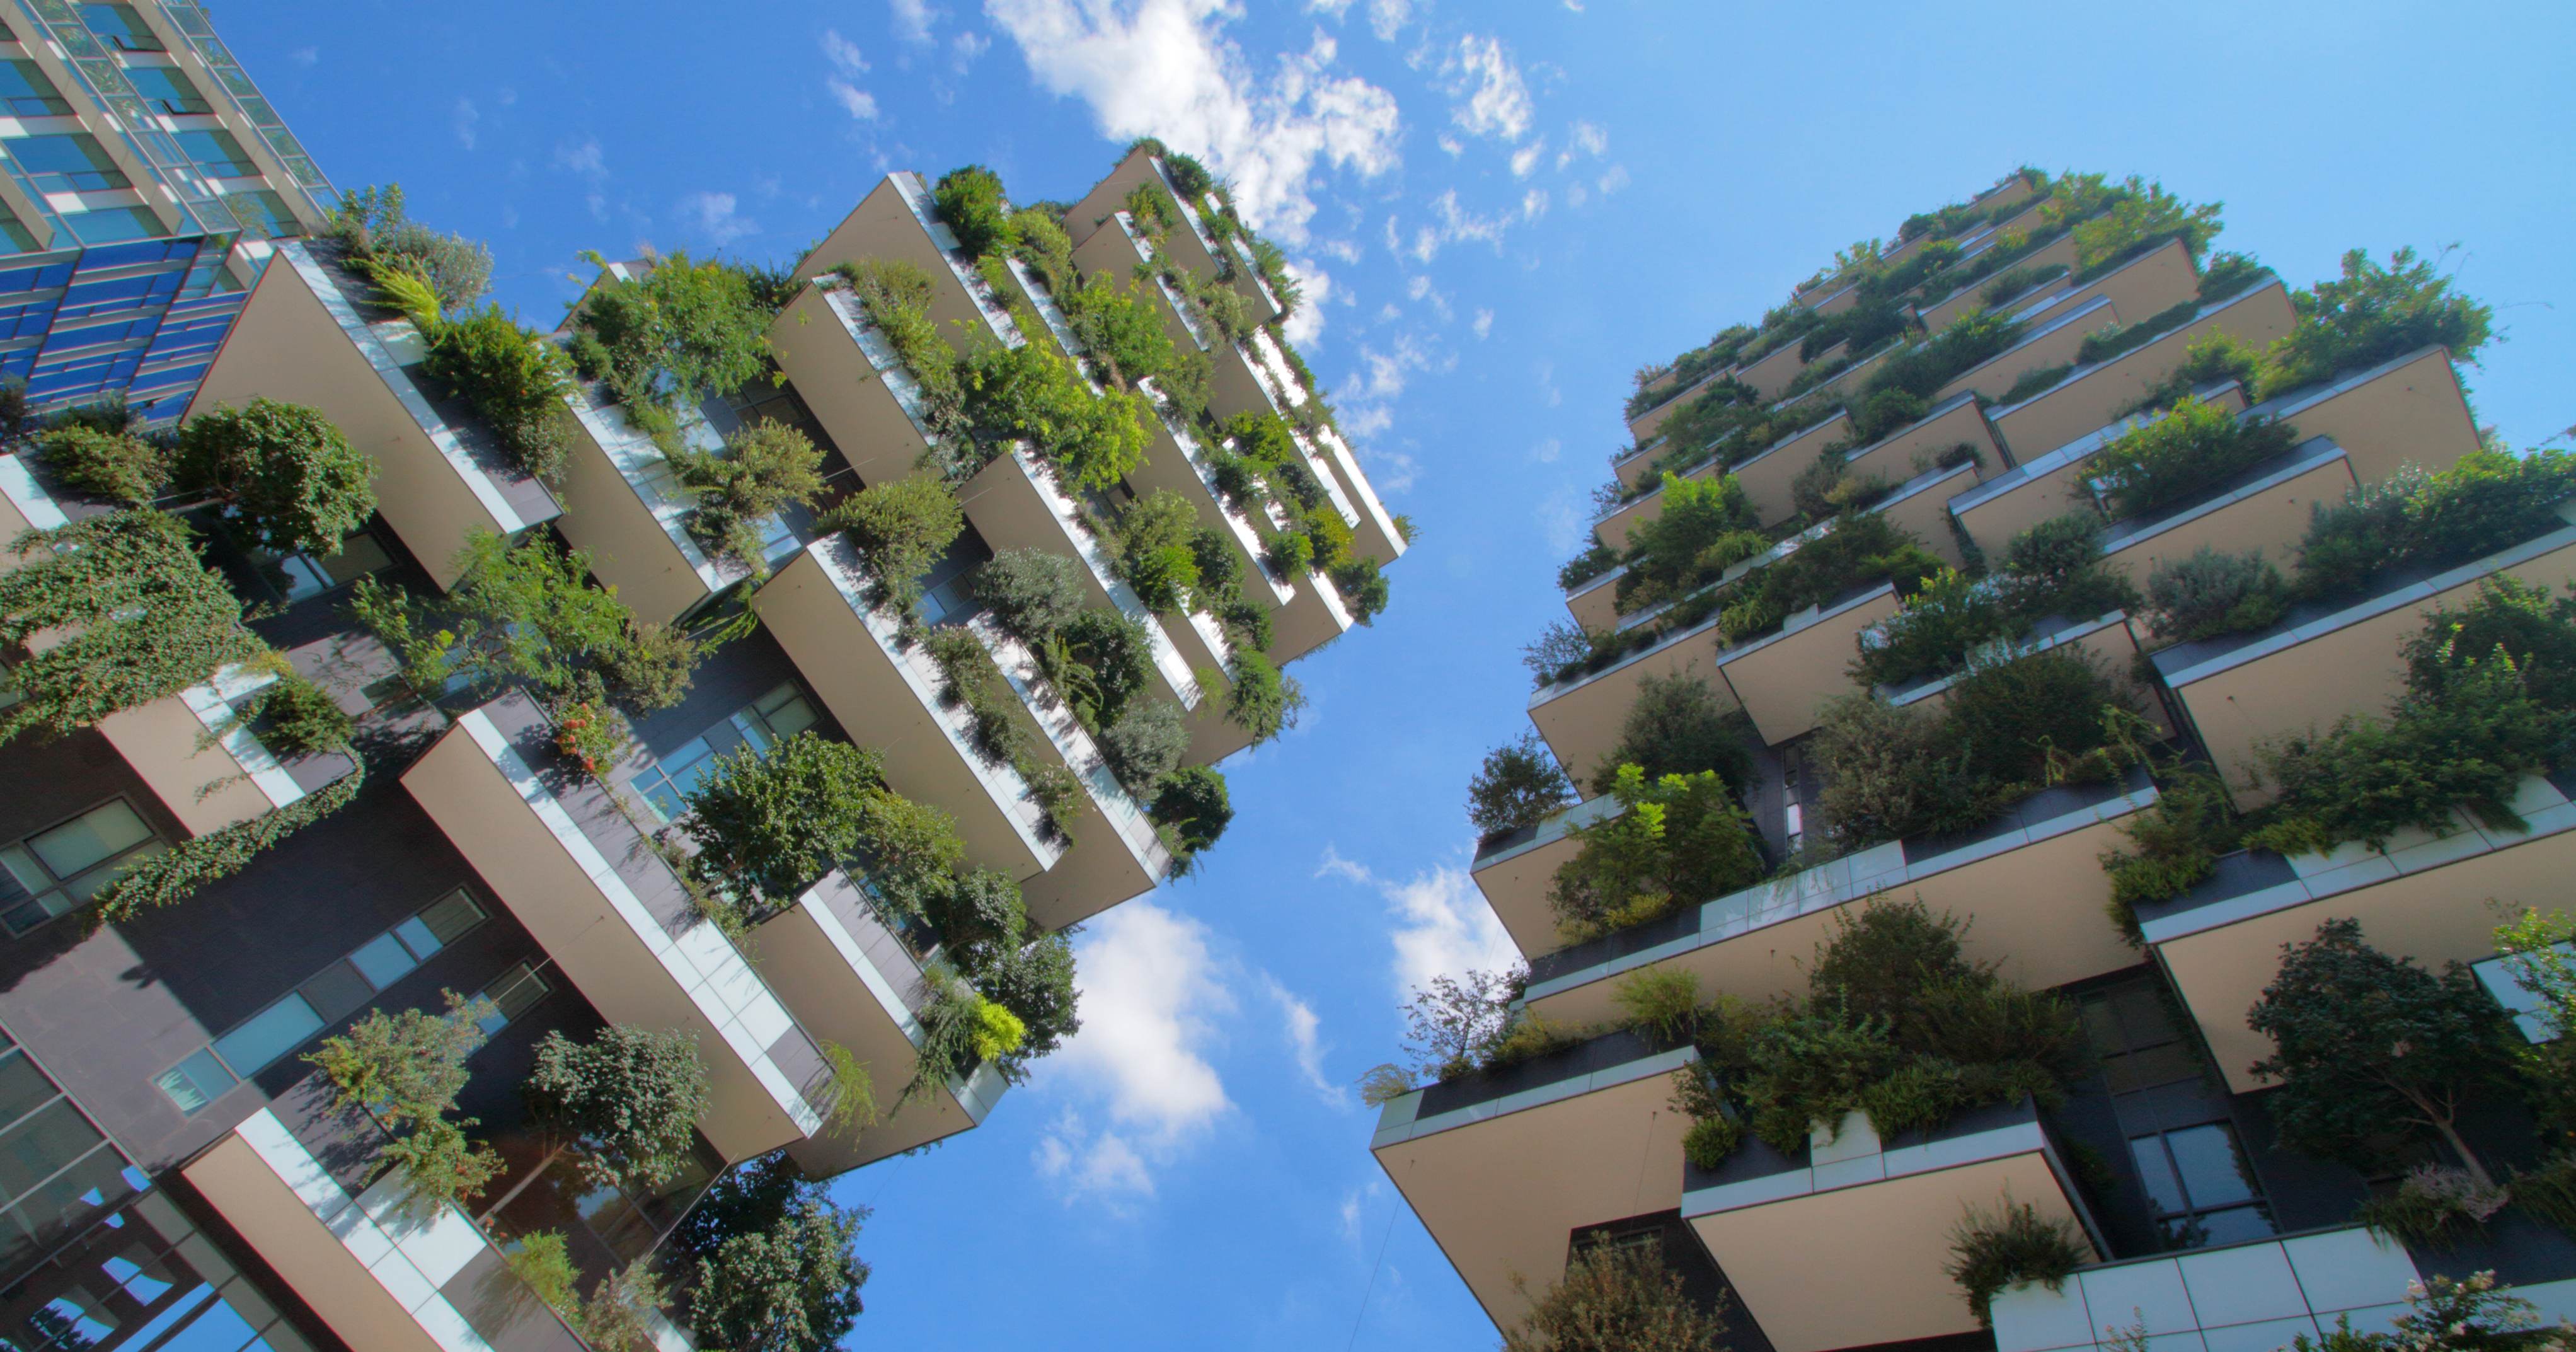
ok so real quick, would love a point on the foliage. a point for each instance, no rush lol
(1156, 553)
(143, 617)
(1991, 1250)
(110, 466)
(2370, 314)
(1706, 525)
(1597, 558)
(526, 613)
(2138, 216)
(1677, 727)
(1681, 840)
(1263, 701)
(2053, 569)
(791, 1286)
(768, 823)
(969, 201)
(2194, 447)
(970, 680)
(295, 717)
(901, 527)
(1924, 368)
(173, 875)
(623, 1311)
(1858, 551)
(371, 224)
(2444, 1315)
(765, 468)
(1034, 982)
(1030, 393)
(540, 1261)
(2209, 593)
(1454, 1024)
(960, 1029)
(2227, 274)
(1120, 328)
(2173, 844)
(293, 479)
(1617, 1298)
(1363, 587)
(629, 1099)
(666, 339)
(2509, 620)
(404, 1071)
(513, 379)
(2414, 520)
(2433, 1207)
(1518, 786)
(2372, 1052)
(1193, 802)
(1100, 661)
(2213, 359)
(1145, 745)
(2534, 958)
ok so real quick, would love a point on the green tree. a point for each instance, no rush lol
(295, 481)
(768, 823)
(112, 466)
(628, 1100)
(1518, 786)
(1193, 802)
(792, 1286)
(969, 202)
(1677, 727)
(404, 1071)
(2371, 314)
(1617, 1298)
(2373, 1053)
(765, 468)
(1035, 982)
(514, 379)
(901, 527)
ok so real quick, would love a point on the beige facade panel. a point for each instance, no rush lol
(203, 780)
(850, 377)
(1516, 876)
(1595, 604)
(1767, 477)
(2271, 516)
(2407, 411)
(1910, 450)
(1969, 299)
(1783, 681)
(2053, 343)
(1580, 719)
(302, 1251)
(2097, 394)
(636, 543)
(2049, 485)
(1770, 376)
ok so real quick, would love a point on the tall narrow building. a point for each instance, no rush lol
(722, 705)
(1995, 681)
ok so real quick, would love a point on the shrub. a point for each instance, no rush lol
(765, 468)
(1031, 592)
(514, 380)
(295, 717)
(2215, 358)
(2433, 1207)
(1882, 954)
(2210, 593)
(2226, 275)
(1193, 802)
(1682, 840)
(2372, 1051)
(2430, 521)
(2193, 448)
(1518, 786)
(1263, 701)
(1991, 1250)
(1617, 1298)
(2032, 719)
(1677, 727)
(404, 1071)
(1120, 328)
(969, 201)
(1950, 616)
(371, 224)
(1890, 773)
(1927, 366)
(2175, 844)
(670, 337)
(792, 1286)
(1030, 393)
(901, 527)
(2371, 314)
(294, 480)
(2443, 1315)
(1454, 1024)
(629, 1100)
(1108, 656)
(1035, 983)
(1145, 745)
(1363, 587)
(768, 823)
(111, 466)
(2511, 619)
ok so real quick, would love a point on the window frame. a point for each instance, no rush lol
(25, 846)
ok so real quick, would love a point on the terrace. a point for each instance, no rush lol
(1516, 872)
(2051, 342)
(2091, 394)
(1954, 422)
(897, 220)
(2267, 507)
(1195, 248)
(206, 762)
(1235, 385)
(2056, 482)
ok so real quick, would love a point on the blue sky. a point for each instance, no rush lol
(1505, 207)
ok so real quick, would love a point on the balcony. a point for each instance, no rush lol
(2056, 482)
(2408, 410)
(205, 763)
(1968, 299)
(849, 375)
(381, 1268)
(2055, 334)
(24, 506)
(1899, 456)
(2109, 641)
(1767, 476)
(1236, 381)
(1595, 604)
(2425, 898)
(887, 696)
(898, 221)
(855, 984)
(2092, 395)
(1648, 425)
(1374, 535)
(1517, 872)
(1843, 1245)
(2267, 507)
(2328, 659)
(1770, 374)
(300, 338)
(2237, 1298)
(1193, 245)
(589, 885)
(2029, 878)
(1582, 1136)
(1920, 506)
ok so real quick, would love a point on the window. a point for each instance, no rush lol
(167, 90)
(325, 998)
(56, 870)
(67, 162)
(114, 225)
(308, 575)
(947, 590)
(666, 783)
(26, 91)
(120, 27)
(216, 154)
(144, 1277)
(263, 213)
(2134, 1034)
(516, 992)
(15, 235)
(56, 1169)
(2200, 1185)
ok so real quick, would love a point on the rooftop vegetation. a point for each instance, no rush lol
(1617, 1297)
(2052, 570)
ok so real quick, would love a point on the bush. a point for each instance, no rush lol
(295, 717)
(404, 1070)
(2194, 448)
(1890, 773)
(1031, 592)
(2210, 593)
(1924, 368)
(513, 380)
(2433, 1207)
(1677, 727)
(2176, 844)
(1145, 745)
(1363, 587)
(1108, 659)
(767, 824)
(674, 335)
(1120, 328)
(2227, 275)
(2511, 620)
(792, 1286)
(1617, 1297)
(2373, 313)
(1991, 1250)
(1518, 786)
(1263, 702)
(2215, 358)
(2413, 520)
(969, 201)
(1193, 802)
(765, 468)
(1029, 393)
(1682, 840)
(110, 466)
(1951, 616)
(628, 1100)
(2032, 720)
(294, 480)
(371, 224)
(901, 527)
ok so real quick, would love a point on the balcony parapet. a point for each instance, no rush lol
(2258, 1294)
(2055, 482)
(2094, 392)
(1517, 871)
(2051, 342)
(205, 762)
(2265, 507)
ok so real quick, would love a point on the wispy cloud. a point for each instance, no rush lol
(1484, 325)
(1303, 1031)
(1152, 993)
(1442, 926)
(913, 19)
(1454, 224)
(847, 63)
(306, 57)
(1388, 17)
(583, 160)
(1496, 99)
(713, 215)
(464, 119)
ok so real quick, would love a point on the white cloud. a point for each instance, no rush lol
(1533, 204)
(1451, 145)
(1442, 925)
(1456, 225)
(1526, 158)
(1484, 323)
(1589, 139)
(1305, 1044)
(1347, 250)
(1547, 451)
(1305, 328)
(1388, 17)
(1151, 995)
(858, 103)
(582, 158)
(1614, 180)
(1163, 68)
(968, 46)
(843, 53)
(465, 118)
(1331, 9)
(1564, 516)
(1575, 5)
(306, 57)
(712, 214)
(1497, 100)
(913, 18)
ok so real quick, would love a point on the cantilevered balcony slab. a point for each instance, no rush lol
(438, 474)
(1648, 425)
(2028, 878)
(1770, 374)
(2057, 481)
(2325, 661)
(849, 374)
(2108, 641)
(24, 506)
(1502, 1168)
(1844, 1245)
(2431, 898)
(381, 1267)
(589, 885)
(2266, 508)
(1962, 301)
(1847, 382)
(1769, 474)
(1194, 245)
(886, 695)
(1375, 535)
(1784, 679)
(1236, 382)
(1920, 506)
(2094, 394)
(204, 762)
(1580, 718)
(2051, 341)
(898, 222)
(2407, 410)
(1911, 449)
(1595, 603)
(2260, 1294)
(855, 985)
(1517, 872)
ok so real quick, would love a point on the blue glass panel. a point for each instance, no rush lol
(270, 1034)
(111, 225)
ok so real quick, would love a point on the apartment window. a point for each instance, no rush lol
(305, 574)
(67, 162)
(56, 1169)
(58, 869)
(144, 1277)
(216, 154)
(781, 713)
(16, 235)
(26, 91)
(115, 225)
(120, 27)
(2202, 1189)
(2134, 1034)
(515, 993)
(263, 213)
(325, 998)
(168, 90)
